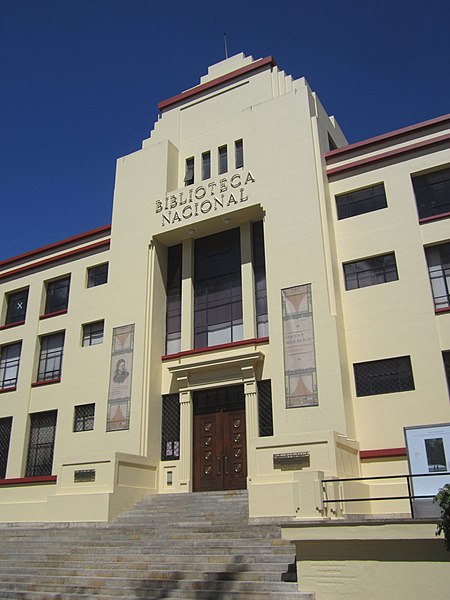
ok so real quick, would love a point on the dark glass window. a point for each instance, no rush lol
(41, 444)
(331, 143)
(432, 192)
(384, 376)
(170, 428)
(5, 436)
(97, 275)
(173, 308)
(218, 289)
(446, 357)
(189, 176)
(57, 295)
(361, 201)
(50, 358)
(239, 151)
(9, 365)
(259, 274)
(83, 419)
(223, 159)
(206, 165)
(93, 333)
(438, 258)
(370, 271)
(265, 416)
(17, 307)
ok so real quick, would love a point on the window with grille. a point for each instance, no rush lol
(83, 419)
(359, 202)
(5, 436)
(259, 274)
(50, 357)
(93, 333)
(223, 160)
(239, 153)
(206, 165)
(189, 176)
(41, 444)
(384, 376)
(370, 271)
(57, 295)
(170, 427)
(438, 259)
(16, 307)
(97, 275)
(265, 416)
(173, 305)
(432, 192)
(9, 365)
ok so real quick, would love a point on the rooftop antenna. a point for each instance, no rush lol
(226, 45)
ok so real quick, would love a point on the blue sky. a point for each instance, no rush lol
(80, 82)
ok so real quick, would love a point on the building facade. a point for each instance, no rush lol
(269, 309)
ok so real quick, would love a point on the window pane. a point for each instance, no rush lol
(432, 192)
(438, 258)
(361, 201)
(57, 295)
(84, 417)
(93, 333)
(9, 365)
(17, 307)
(50, 359)
(239, 151)
(41, 444)
(173, 306)
(370, 271)
(206, 165)
(384, 376)
(5, 435)
(189, 176)
(97, 275)
(223, 160)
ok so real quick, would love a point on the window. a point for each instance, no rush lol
(370, 271)
(239, 153)
(438, 258)
(432, 192)
(83, 419)
(170, 428)
(206, 165)
(218, 289)
(16, 307)
(97, 275)
(5, 436)
(9, 365)
(173, 306)
(265, 417)
(189, 177)
(361, 201)
(41, 444)
(57, 295)
(50, 358)
(93, 333)
(223, 160)
(384, 376)
(331, 143)
(259, 273)
(446, 358)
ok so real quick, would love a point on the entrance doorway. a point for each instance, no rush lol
(220, 456)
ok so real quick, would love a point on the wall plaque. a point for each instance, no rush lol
(84, 476)
(289, 459)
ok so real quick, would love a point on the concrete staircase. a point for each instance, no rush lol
(189, 546)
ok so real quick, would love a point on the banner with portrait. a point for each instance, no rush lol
(119, 397)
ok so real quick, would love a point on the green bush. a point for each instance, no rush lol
(443, 499)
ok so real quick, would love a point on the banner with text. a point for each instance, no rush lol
(119, 396)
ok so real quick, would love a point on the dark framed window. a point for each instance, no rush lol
(259, 274)
(446, 359)
(83, 418)
(438, 259)
(223, 160)
(384, 376)
(97, 275)
(57, 295)
(359, 202)
(41, 444)
(50, 357)
(170, 427)
(16, 307)
(93, 333)
(331, 143)
(218, 289)
(5, 436)
(239, 153)
(432, 191)
(173, 306)
(370, 271)
(9, 365)
(265, 416)
(189, 175)
(206, 165)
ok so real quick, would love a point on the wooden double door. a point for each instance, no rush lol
(220, 456)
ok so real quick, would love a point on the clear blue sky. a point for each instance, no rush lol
(80, 81)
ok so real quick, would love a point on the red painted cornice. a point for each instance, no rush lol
(29, 480)
(230, 346)
(382, 453)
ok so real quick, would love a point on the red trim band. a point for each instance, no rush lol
(56, 258)
(48, 382)
(383, 156)
(8, 389)
(386, 136)
(445, 309)
(434, 217)
(29, 480)
(53, 314)
(262, 62)
(251, 342)
(16, 324)
(382, 453)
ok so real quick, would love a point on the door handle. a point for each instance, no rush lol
(226, 465)
(218, 465)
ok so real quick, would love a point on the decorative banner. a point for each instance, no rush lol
(298, 340)
(119, 396)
